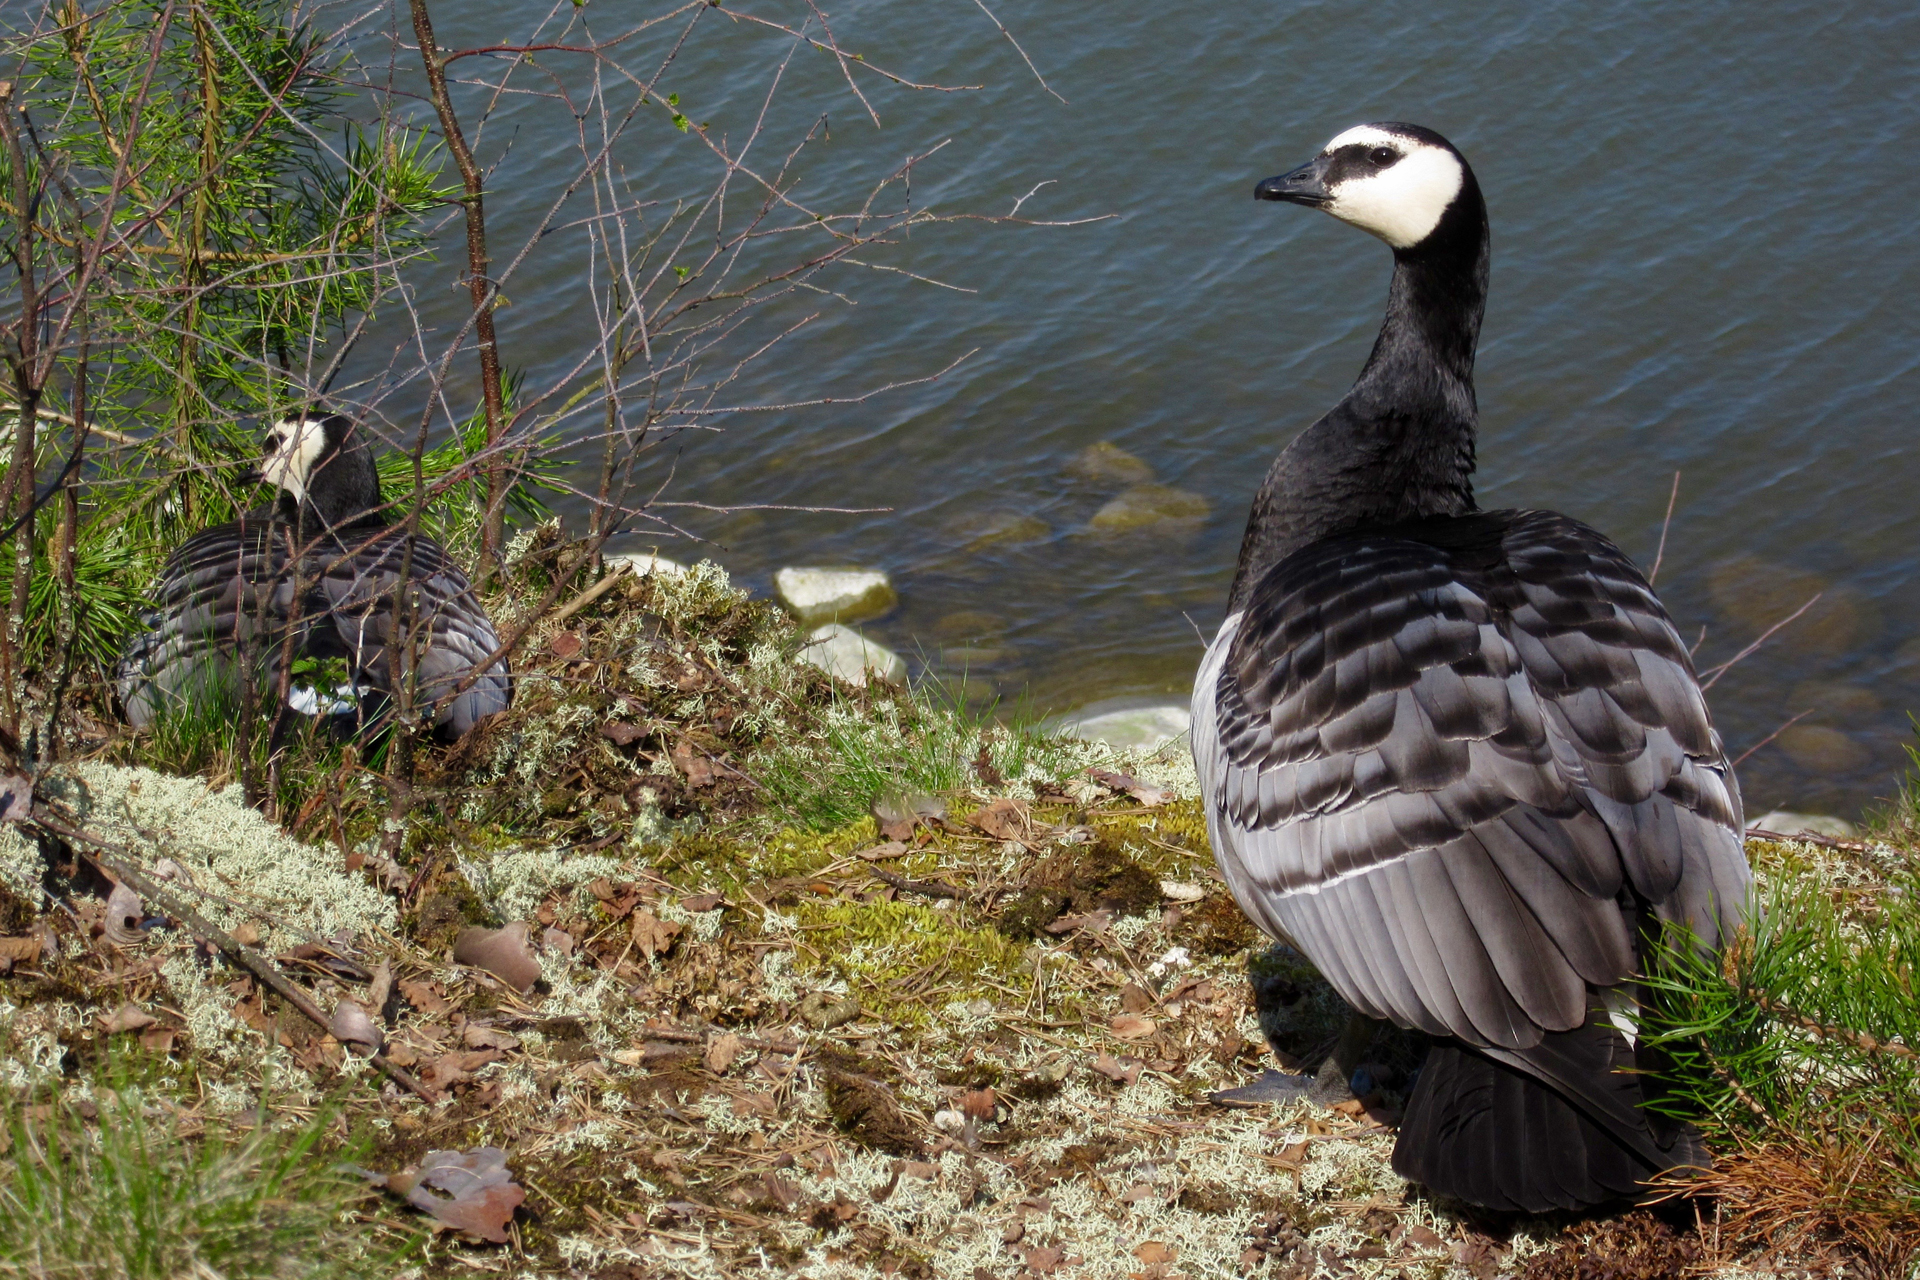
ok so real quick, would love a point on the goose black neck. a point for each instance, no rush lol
(343, 491)
(1399, 446)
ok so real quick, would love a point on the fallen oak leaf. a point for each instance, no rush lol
(1145, 792)
(481, 1192)
(1097, 921)
(504, 953)
(425, 998)
(128, 1017)
(653, 936)
(722, 1051)
(897, 816)
(352, 1025)
(621, 733)
(476, 1036)
(688, 760)
(1117, 1070)
(1004, 819)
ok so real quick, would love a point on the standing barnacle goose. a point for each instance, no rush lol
(1460, 758)
(319, 569)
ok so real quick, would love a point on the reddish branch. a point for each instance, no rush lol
(479, 284)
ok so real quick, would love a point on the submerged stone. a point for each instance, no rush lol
(978, 530)
(1128, 725)
(1108, 464)
(1150, 506)
(845, 654)
(815, 595)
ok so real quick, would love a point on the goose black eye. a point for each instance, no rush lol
(1383, 156)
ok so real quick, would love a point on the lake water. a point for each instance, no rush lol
(1705, 260)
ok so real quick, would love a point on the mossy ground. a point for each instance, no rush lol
(765, 1042)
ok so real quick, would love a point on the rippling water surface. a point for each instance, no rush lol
(1704, 261)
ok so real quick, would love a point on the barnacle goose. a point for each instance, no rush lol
(1460, 758)
(318, 569)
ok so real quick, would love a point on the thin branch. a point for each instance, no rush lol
(1661, 553)
(1017, 49)
(1713, 674)
(1769, 738)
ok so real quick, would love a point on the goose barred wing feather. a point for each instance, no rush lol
(452, 632)
(1447, 758)
(232, 585)
(218, 589)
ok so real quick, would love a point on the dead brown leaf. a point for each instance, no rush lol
(128, 1017)
(1135, 998)
(1145, 792)
(881, 852)
(504, 953)
(979, 1103)
(19, 951)
(425, 997)
(1118, 1070)
(653, 936)
(1131, 1026)
(481, 1195)
(897, 816)
(475, 1036)
(158, 1039)
(700, 902)
(1096, 921)
(687, 759)
(1003, 819)
(1155, 1253)
(565, 645)
(352, 1025)
(16, 797)
(722, 1051)
(621, 733)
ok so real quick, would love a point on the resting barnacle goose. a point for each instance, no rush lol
(313, 578)
(1460, 758)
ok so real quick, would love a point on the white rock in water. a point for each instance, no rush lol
(640, 564)
(1132, 727)
(817, 595)
(1788, 823)
(845, 654)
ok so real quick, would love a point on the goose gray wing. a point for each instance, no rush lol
(221, 590)
(451, 630)
(1453, 761)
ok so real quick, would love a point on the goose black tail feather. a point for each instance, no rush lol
(1557, 1126)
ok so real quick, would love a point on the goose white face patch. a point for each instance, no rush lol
(297, 446)
(1400, 202)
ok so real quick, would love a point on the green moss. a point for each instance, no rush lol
(904, 962)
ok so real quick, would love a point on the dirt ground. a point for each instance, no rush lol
(972, 1036)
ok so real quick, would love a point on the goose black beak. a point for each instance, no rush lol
(1306, 185)
(252, 475)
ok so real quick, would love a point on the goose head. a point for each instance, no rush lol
(318, 460)
(1396, 181)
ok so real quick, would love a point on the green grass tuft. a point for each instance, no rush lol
(923, 742)
(125, 1198)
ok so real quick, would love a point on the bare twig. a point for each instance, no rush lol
(1713, 674)
(1738, 761)
(1653, 575)
(212, 934)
